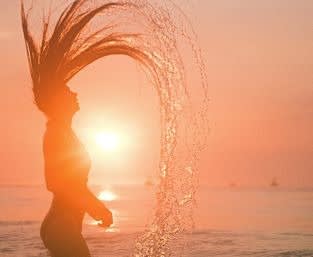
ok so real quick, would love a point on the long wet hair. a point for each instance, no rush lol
(56, 58)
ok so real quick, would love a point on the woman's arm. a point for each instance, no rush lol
(94, 207)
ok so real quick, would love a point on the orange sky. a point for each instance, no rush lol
(259, 56)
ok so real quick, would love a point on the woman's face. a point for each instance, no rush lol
(65, 103)
(70, 98)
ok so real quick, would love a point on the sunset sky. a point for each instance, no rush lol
(259, 57)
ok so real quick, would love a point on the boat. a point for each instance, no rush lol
(149, 182)
(274, 182)
(232, 184)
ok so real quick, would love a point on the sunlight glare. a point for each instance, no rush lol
(107, 141)
(107, 196)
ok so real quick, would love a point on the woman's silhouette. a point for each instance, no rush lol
(66, 171)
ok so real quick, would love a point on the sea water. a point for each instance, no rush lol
(229, 222)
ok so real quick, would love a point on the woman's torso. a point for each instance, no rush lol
(67, 171)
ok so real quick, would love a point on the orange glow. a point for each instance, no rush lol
(260, 110)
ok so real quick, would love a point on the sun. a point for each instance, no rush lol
(107, 141)
(111, 142)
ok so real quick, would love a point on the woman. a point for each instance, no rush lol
(67, 163)
(66, 171)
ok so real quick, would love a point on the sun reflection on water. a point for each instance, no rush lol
(107, 195)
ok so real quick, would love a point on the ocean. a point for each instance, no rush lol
(255, 222)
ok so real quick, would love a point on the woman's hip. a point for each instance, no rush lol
(61, 235)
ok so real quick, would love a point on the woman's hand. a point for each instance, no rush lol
(106, 220)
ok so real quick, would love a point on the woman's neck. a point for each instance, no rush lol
(60, 123)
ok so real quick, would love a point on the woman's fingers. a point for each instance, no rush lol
(107, 220)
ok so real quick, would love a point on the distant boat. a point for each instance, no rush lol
(274, 183)
(149, 182)
(232, 184)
